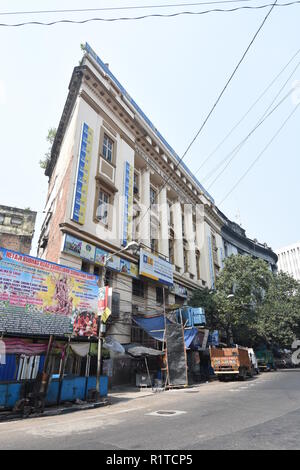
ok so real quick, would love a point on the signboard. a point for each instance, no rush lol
(83, 174)
(113, 263)
(39, 297)
(128, 204)
(126, 267)
(156, 268)
(104, 303)
(81, 249)
(77, 247)
(181, 291)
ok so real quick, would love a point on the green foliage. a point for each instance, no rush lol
(50, 139)
(279, 316)
(251, 305)
(240, 290)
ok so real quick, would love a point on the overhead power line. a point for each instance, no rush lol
(216, 103)
(236, 150)
(260, 155)
(242, 119)
(263, 118)
(153, 15)
(137, 7)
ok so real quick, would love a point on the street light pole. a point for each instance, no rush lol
(102, 326)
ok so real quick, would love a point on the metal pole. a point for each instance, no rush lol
(100, 340)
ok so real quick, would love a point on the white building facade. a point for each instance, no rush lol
(114, 179)
(289, 260)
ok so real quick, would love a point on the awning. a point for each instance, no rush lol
(155, 327)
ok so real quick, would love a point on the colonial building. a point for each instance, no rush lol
(289, 260)
(16, 228)
(113, 178)
(236, 242)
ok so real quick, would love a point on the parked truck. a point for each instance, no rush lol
(265, 360)
(231, 363)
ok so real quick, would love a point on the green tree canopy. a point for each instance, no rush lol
(279, 315)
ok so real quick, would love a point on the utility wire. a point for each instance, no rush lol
(242, 119)
(265, 116)
(260, 155)
(153, 15)
(216, 103)
(138, 7)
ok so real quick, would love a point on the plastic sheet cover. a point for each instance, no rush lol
(176, 355)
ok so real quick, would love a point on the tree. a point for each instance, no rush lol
(50, 138)
(279, 315)
(240, 290)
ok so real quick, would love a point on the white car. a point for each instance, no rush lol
(253, 360)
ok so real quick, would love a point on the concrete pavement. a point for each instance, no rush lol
(262, 413)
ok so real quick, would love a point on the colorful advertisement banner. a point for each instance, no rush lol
(81, 249)
(128, 204)
(104, 303)
(77, 247)
(156, 268)
(37, 296)
(83, 174)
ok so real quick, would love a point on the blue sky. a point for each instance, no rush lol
(174, 69)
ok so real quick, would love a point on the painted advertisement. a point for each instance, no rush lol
(37, 296)
(83, 174)
(156, 268)
(128, 204)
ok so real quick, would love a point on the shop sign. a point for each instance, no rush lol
(156, 268)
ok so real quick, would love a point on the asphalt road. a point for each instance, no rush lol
(261, 413)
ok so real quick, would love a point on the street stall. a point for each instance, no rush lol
(48, 324)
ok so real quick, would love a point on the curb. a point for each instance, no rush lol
(54, 412)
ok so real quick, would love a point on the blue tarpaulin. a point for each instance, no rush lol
(155, 327)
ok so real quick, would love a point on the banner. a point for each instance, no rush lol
(104, 303)
(128, 204)
(156, 268)
(40, 297)
(76, 247)
(83, 174)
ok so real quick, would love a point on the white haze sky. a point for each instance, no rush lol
(174, 69)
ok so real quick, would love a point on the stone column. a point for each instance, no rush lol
(163, 242)
(202, 244)
(145, 213)
(190, 236)
(178, 240)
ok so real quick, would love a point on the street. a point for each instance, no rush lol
(261, 413)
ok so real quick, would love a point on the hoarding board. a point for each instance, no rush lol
(156, 268)
(76, 247)
(40, 297)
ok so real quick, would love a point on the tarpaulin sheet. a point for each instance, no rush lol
(155, 327)
(136, 350)
(176, 355)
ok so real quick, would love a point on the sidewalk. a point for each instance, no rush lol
(116, 395)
